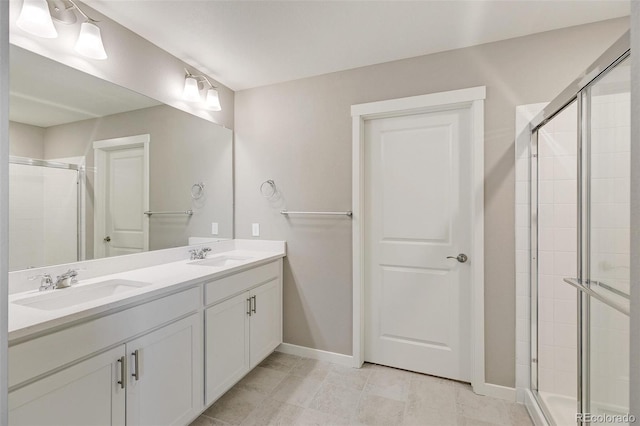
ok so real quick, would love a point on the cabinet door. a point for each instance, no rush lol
(266, 321)
(226, 345)
(84, 394)
(165, 375)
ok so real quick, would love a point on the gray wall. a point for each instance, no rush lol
(635, 214)
(133, 62)
(183, 150)
(26, 140)
(299, 134)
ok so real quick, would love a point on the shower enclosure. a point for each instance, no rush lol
(44, 212)
(579, 247)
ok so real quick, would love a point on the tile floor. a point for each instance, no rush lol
(289, 390)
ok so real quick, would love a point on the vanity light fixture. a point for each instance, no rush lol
(213, 100)
(89, 42)
(36, 18)
(191, 91)
(193, 84)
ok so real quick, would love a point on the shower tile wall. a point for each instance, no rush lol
(557, 251)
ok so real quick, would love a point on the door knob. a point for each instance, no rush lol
(460, 258)
(107, 238)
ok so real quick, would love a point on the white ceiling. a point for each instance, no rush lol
(245, 44)
(46, 93)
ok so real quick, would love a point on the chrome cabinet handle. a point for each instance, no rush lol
(136, 365)
(254, 304)
(462, 258)
(123, 372)
(249, 306)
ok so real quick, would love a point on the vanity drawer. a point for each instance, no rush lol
(49, 352)
(223, 288)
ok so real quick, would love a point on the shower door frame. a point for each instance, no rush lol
(578, 92)
(26, 161)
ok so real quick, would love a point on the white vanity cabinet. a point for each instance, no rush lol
(243, 329)
(153, 379)
(165, 375)
(265, 329)
(158, 361)
(85, 394)
(226, 345)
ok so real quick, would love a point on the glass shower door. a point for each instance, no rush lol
(580, 247)
(606, 231)
(555, 234)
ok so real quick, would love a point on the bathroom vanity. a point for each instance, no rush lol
(153, 345)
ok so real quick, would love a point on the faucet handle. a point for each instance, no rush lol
(43, 276)
(46, 282)
(73, 274)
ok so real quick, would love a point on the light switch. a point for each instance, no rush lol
(214, 228)
(255, 229)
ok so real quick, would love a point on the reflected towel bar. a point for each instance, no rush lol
(187, 212)
(349, 213)
(579, 284)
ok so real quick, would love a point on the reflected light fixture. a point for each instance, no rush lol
(213, 100)
(89, 42)
(193, 84)
(35, 19)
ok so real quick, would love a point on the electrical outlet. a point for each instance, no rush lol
(255, 229)
(214, 228)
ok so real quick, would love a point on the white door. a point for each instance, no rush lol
(124, 180)
(121, 196)
(84, 394)
(418, 212)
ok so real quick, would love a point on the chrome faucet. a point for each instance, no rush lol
(199, 253)
(62, 281)
(67, 279)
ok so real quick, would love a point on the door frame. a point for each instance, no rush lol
(100, 149)
(473, 99)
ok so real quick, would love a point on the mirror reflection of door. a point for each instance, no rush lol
(122, 196)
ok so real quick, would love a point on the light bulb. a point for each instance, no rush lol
(89, 42)
(191, 92)
(213, 101)
(35, 19)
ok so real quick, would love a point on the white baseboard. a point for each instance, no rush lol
(497, 391)
(521, 395)
(288, 348)
(533, 409)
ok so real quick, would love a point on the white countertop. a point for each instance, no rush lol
(163, 278)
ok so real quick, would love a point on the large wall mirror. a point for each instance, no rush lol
(98, 170)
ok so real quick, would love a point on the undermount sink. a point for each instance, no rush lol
(64, 298)
(221, 261)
